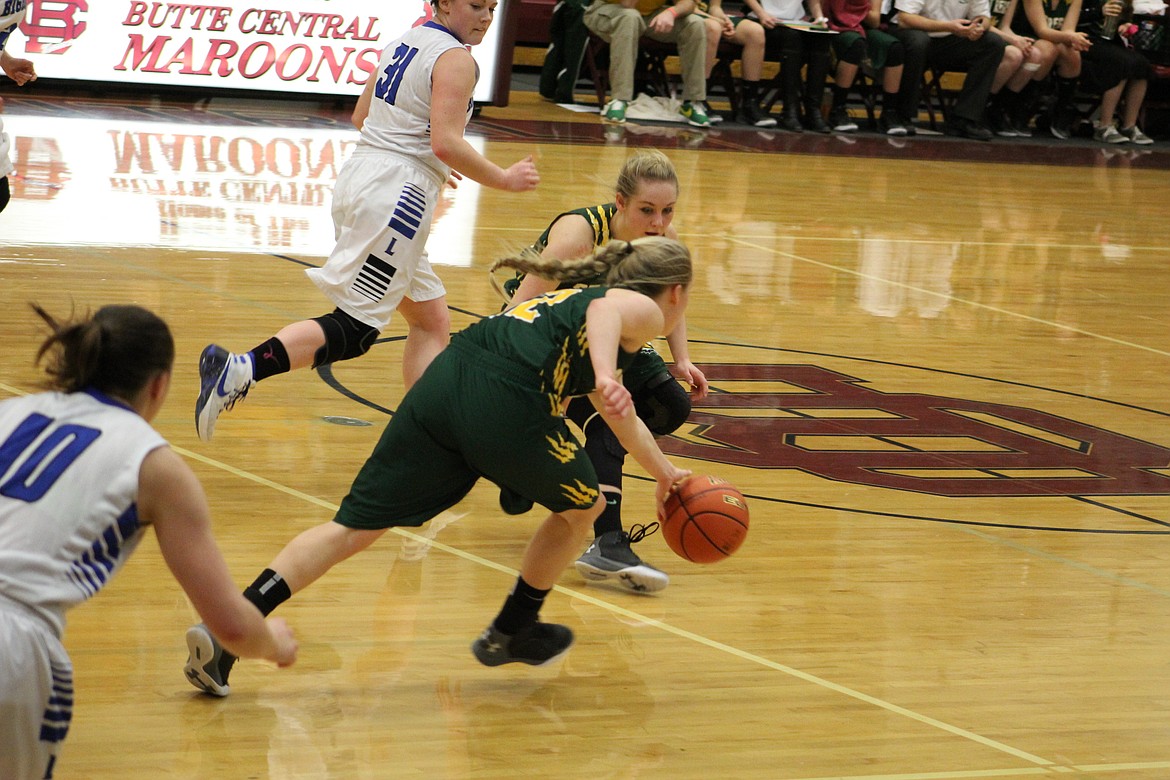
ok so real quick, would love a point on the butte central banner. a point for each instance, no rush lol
(305, 46)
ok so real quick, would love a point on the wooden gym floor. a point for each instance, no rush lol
(940, 377)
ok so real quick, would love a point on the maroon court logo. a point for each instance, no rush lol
(830, 424)
(51, 26)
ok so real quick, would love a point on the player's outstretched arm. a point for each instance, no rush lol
(452, 84)
(172, 500)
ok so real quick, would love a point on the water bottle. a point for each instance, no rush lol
(1108, 26)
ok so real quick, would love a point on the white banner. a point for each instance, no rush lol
(303, 46)
(201, 186)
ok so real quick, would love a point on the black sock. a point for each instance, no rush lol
(611, 517)
(270, 359)
(889, 102)
(268, 592)
(1066, 90)
(840, 97)
(520, 608)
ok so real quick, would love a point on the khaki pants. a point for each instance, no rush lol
(622, 27)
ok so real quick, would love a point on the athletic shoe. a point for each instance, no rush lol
(615, 112)
(750, 113)
(1063, 122)
(891, 125)
(1135, 135)
(536, 645)
(208, 664)
(610, 558)
(999, 122)
(695, 113)
(1108, 134)
(841, 122)
(224, 378)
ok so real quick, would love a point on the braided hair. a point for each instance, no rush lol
(647, 265)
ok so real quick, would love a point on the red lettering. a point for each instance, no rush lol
(286, 57)
(135, 16)
(145, 58)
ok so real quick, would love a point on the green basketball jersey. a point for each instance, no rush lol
(598, 217)
(545, 338)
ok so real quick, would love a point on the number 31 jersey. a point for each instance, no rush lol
(400, 108)
(69, 467)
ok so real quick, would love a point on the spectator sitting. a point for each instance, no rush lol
(1113, 69)
(622, 22)
(797, 49)
(1055, 22)
(859, 22)
(749, 34)
(950, 35)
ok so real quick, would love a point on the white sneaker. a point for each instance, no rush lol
(1136, 136)
(610, 558)
(1108, 135)
(224, 378)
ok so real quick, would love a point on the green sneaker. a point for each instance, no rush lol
(695, 113)
(615, 111)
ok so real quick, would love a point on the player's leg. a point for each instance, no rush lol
(382, 213)
(36, 681)
(425, 310)
(662, 403)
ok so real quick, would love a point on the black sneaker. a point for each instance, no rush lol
(841, 122)
(890, 124)
(999, 122)
(1063, 122)
(750, 113)
(536, 645)
(610, 558)
(208, 664)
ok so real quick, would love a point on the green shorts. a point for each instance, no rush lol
(472, 414)
(877, 45)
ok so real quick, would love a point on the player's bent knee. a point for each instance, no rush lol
(663, 405)
(345, 338)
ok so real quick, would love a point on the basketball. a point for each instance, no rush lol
(706, 519)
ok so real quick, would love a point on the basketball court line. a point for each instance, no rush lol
(1045, 766)
(630, 614)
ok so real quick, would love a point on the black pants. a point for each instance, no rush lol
(795, 49)
(979, 59)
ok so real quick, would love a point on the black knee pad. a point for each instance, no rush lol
(4, 192)
(345, 338)
(663, 404)
(601, 443)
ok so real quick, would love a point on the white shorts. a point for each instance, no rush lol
(382, 211)
(36, 697)
(5, 148)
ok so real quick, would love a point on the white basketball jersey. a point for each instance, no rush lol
(11, 13)
(69, 468)
(400, 109)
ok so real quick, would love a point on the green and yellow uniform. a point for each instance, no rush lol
(649, 364)
(488, 406)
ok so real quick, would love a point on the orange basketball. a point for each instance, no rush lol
(706, 519)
